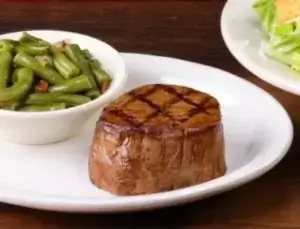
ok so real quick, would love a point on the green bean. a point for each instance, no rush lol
(13, 42)
(5, 67)
(33, 49)
(45, 60)
(100, 74)
(89, 57)
(64, 66)
(20, 88)
(74, 85)
(95, 63)
(14, 76)
(37, 75)
(56, 97)
(47, 107)
(26, 37)
(45, 72)
(87, 54)
(7, 45)
(93, 94)
(74, 53)
(11, 106)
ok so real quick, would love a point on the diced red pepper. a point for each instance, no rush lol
(104, 86)
(42, 86)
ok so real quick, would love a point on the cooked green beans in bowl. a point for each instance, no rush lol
(37, 75)
(52, 82)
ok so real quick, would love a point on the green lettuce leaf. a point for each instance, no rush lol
(272, 53)
(283, 44)
(287, 44)
(296, 61)
(266, 11)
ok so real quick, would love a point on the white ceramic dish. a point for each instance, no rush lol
(258, 133)
(241, 32)
(54, 126)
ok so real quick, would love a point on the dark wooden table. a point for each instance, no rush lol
(187, 30)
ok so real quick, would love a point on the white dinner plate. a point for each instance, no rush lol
(241, 31)
(258, 133)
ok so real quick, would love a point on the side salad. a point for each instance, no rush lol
(281, 39)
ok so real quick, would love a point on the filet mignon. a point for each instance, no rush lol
(157, 138)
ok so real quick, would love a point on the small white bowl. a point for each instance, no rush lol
(55, 126)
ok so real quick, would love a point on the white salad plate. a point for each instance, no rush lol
(258, 134)
(241, 31)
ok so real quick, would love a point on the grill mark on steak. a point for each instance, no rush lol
(127, 118)
(178, 95)
(199, 109)
(132, 120)
(135, 96)
(178, 98)
(158, 109)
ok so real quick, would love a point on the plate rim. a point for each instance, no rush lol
(158, 200)
(260, 72)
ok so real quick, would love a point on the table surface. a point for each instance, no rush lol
(187, 30)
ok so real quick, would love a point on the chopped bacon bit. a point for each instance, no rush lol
(42, 86)
(104, 86)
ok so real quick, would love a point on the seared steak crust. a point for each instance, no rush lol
(157, 138)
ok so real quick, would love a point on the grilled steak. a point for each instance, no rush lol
(157, 138)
